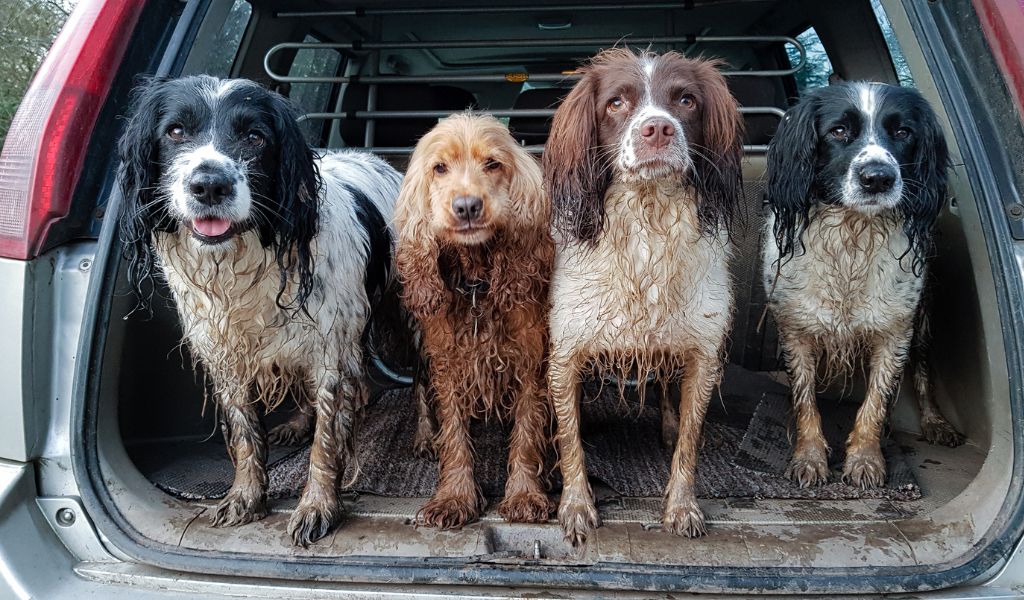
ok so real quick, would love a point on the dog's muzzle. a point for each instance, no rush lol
(210, 187)
(210, 190)
(876, 177)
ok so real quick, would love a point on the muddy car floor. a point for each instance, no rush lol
(743, 529)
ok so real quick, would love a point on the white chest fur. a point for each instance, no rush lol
(853, 278)
(226, 296)
(651, 284)
(226, 302)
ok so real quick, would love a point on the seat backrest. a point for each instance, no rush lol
(400, 132)
(534, 130)
(758, 91)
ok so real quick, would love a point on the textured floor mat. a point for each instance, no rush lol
(622, 441)
(767, 445)
(200, 470)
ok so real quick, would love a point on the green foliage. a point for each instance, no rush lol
(225, 46)
(27, 29)
(817, 67)
(899, 61)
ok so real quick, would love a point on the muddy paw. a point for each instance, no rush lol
(526, 507)
(238, 509)
(685, 519)
(311, 521)
(937, 430)
(864, 468)
(808, 469)
(448, 512)
(287, 434)
(578, 521)
(423, 445)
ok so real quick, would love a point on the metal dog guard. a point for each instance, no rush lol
(371, 115)
(360, 45)
(464, 10)
(373, 80)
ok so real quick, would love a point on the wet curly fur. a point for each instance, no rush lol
(478, 286)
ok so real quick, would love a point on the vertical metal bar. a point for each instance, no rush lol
(371, 92)
(371, 123)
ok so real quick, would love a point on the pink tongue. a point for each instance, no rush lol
(211, 227)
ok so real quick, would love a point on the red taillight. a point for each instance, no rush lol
(45, 148)
(1002, 22)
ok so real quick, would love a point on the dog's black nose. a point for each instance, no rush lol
(467, 208)
(210, 188)
(876, 179)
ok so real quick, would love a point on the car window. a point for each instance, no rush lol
(225, 46)
(899, 62)
(817, 67)
(313, 97)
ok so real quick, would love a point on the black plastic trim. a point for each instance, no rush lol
(995, 546)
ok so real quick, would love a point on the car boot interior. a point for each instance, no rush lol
(353, 73)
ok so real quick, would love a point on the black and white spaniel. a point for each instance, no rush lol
(856, 179)
(274, 256)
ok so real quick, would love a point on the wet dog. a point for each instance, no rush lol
(643, 168)
(856, 178)
(274, 257)
(474, 256)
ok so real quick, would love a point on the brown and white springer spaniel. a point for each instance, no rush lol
(643, 169)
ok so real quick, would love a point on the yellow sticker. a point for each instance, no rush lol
(516, 77)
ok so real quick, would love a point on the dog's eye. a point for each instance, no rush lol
(492, 165)
(902, 133)
(440, 168)
(840, 133)
(615, 104)
(688, 101)
(254, 139)
(176, 132)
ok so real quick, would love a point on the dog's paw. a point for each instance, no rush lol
(423, 445)
(288, 434)
(526, 507)
(238, 508)
(864, 468)
(684, 518)
(312, 520)
(578, 521)
(937, 430)
(808, 469)
(448, 512)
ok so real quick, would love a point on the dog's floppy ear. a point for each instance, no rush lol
(925, 184)
(792, 157)
(717, 167)
(142, 211)
(576, 173)
(417, 250)
(298, 188)
(526, 188)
